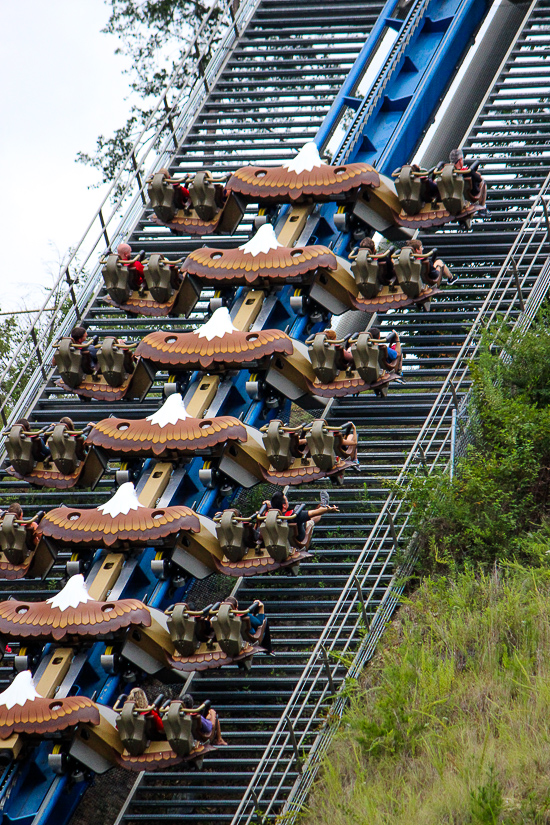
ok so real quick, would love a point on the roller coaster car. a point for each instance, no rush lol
(304, 179)
(145, 749)
(221, 637)
(118, 375)
(70, 463)
(19, 539)
(309, 452)
(168, 291)
(260, 543)
(261, 262)
(454, 190)
(70, 617)
(26, 718)
(216, 347)
(168, 434)
(120, 524)
(321, 370)
(208, 209)
(392, 281)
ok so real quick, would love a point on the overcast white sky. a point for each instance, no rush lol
(61, 86)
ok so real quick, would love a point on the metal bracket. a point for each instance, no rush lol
(392, 531)
(294, 743)
(518, 285)
(423, 458)
(361, 598)
(326, 665)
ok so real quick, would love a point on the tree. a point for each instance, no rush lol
(154, 36)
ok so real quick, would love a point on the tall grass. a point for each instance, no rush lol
(451, 722)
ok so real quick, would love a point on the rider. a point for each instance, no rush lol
(393, 350)
(90, 362)
(429, 191)
(257, 618)
(135, 268)
(386, 272)
(182, 199)
(437, 267)
(209, 724)
(40, 449)
(31, 528)
(478, 187)
(305, 518)
(138, 696)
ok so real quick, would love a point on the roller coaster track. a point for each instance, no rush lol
(288, 698)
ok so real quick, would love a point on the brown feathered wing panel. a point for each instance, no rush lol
(40, 620)
(89, 526)
(277, 265)
(283, 185)
(141, 437)
(232, 350)
(39, 716)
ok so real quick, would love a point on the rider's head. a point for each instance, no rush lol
(368, 243)
(415, 245)
(456, 157)
(279, 501)
(79, 334)
(124, 250)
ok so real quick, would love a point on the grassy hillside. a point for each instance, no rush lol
(451, 722)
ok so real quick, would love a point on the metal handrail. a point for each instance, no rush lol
(126, 214)
(344, 627)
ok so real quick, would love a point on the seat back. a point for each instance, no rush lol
(408, 186)
(231, 536)
(451, 187)
(365, 270)
(408, 269)
(278, 445)
(63, 450)
(227, 627)
(158, 277)
(117, 279)
(365, 358)
(112, 361)
(19, 448)
(324, 358)
(321, 443)
(161, 195)
(13, 539)
(178, 726)
(132, 729)
(202, 192)
(68, 360)
(275, 533)
(181, 627)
